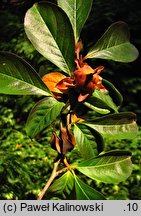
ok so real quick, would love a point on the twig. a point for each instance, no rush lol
(52, 177)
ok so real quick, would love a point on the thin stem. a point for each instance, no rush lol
(52, 177)
(54, 174)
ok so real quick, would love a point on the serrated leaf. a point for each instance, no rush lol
(50, 31)
(119, 126)
(114, 45)
(42, 115)
(63, 186)
(18, 77)
(111, 167)
(78, 12)
(85, 192)
(89, 142)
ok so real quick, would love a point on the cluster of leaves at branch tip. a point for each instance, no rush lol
(85, 106)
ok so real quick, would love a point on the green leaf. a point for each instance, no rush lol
(112, 167)
(105, 98)
(63, 186)
(89, 142)
(85, 192)
(102, 101)
(50, 31)
(119, 126)
(18, 77)
(115, 119)
(42, 115)
(114, 45)
(97, 109)
(113, 92)
(78, 12)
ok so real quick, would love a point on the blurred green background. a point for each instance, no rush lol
(25, 165)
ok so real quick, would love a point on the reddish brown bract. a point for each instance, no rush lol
(84, 79)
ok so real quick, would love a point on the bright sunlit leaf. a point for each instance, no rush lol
(77, 11)
(111, 167)
(119, 126)
(115, 45)
(50, 31)
(18, 77)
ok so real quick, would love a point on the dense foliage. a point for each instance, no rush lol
(40, 161)
(26, 165)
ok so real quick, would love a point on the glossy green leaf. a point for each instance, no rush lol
(63, 185)
(114, 45)
(105, 98)
(85, 192)
(115, 119)
(78, 12)
(119, 126)
(97, 109)
(102, 101)
(18, 77)
(89, 142)
(50, 31)
(111, 167)
(113, 92)
(42, 115)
